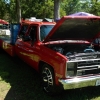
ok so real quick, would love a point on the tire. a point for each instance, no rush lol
(48, 81)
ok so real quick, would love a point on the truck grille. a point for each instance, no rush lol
(88, 67)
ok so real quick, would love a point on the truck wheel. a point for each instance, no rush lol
(48, 82)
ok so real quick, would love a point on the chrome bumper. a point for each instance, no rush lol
(80, 82)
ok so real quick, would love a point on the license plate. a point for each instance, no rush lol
(97, 82)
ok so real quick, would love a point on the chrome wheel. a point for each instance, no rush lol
(47, 79)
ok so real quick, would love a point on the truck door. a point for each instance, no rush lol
(19, 48)
(30, 51)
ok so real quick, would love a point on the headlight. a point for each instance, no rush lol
(70, 73)
(79, 73)
(70, 65)
(71, 69)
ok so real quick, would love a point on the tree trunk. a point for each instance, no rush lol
(18, 8)
(56, 9)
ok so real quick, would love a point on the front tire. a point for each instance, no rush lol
(48, 80)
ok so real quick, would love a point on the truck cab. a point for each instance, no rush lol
(28, 45)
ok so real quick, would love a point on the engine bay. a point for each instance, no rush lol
(76, 51)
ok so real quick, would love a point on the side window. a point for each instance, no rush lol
(23, 31)
(32, 33)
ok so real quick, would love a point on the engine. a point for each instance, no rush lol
(76, 51)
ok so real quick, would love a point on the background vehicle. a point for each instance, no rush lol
(4, 27)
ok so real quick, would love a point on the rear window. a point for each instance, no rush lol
(23, 30)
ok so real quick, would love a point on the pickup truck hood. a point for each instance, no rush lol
(85, 28)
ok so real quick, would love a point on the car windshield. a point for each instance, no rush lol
(44, 30)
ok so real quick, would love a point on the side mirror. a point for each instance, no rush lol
(26, 38)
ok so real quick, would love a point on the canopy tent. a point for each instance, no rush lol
(79, 14)
(3, 22)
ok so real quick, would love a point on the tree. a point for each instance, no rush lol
(2, 9)
(72, 6)
(45, 8)
(95, 7)
(56, 9)
(37, 8)
(18, 10)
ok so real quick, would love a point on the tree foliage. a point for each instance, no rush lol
(37, 8)
(3, 6)
(45, 8)
(95, 7)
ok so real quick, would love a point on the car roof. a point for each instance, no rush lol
(38, 22)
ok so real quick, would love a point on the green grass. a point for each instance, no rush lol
(18, 81)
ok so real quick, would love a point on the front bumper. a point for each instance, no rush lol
(80, 82)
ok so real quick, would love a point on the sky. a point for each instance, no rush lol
(7, 1)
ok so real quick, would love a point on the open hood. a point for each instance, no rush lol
(85, 28)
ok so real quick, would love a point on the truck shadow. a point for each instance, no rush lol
(25, 83)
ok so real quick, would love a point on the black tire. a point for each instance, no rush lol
(48, 81)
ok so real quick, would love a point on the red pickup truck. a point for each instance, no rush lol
(62, 53)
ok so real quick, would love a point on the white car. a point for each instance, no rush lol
(5, 30)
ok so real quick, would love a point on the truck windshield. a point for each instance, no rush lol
(44, 30)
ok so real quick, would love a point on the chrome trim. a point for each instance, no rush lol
(83, 60)
(66, 69)
(79, 82)
(88, 66)
(87, 69)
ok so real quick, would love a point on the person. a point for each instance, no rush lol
(96, 44)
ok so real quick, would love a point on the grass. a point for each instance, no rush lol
(18, 81)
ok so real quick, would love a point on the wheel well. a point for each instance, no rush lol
(41, 63)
